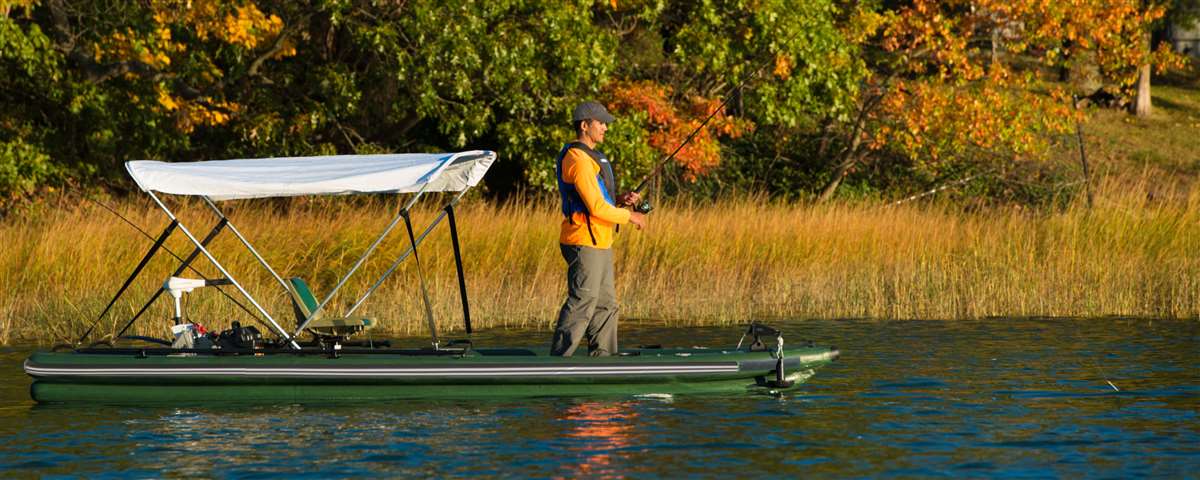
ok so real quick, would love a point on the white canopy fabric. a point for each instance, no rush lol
(327, 175)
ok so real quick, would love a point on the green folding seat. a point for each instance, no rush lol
(303, 303)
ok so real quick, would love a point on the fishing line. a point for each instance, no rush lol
(1103, 375)
(138, 228)
(645, 207)
(177, 257)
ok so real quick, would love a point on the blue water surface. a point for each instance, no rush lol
(996, 398)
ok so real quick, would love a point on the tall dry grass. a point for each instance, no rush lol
(696, 264)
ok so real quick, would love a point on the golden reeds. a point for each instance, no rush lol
(712, 263)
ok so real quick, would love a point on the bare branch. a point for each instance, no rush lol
(280, 42)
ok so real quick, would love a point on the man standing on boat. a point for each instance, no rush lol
(591, 211)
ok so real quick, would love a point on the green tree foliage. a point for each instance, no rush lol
(98, 83)
(27, 56)
(1182, 13)
(794, 63)
(829, 85)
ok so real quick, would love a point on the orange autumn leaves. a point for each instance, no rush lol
(977, 75)
(931, 123)
(670, 122)
(958, 80)
(951, 37)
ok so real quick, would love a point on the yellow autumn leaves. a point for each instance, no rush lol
(932, 122)
(239, 24)
(7, 6)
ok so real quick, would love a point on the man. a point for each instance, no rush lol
(591, 211)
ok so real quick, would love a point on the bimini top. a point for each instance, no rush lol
(327, 175)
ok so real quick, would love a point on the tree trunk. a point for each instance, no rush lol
(838, 174)
(995, 45)
(1087, 171)
(851, 155)
(851, 159)
(1142, 106)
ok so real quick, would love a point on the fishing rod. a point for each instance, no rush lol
(644, 206)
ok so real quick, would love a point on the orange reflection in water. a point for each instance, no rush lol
(603, 427)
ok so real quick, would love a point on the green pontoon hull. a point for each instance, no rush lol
(132, 378)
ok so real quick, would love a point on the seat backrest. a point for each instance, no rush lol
(303, 301)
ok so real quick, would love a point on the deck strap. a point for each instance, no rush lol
(184, 265)
(421, 277)
(462, 281)
(136, 271)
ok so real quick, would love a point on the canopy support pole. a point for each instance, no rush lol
(396, 264)
(245, 242)
(412, 239)
(289, 338)
(162, 238)
(395, 221)
(184, 265)
(462, 281)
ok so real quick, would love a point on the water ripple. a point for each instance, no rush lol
(1012, 398)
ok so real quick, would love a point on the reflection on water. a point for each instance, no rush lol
(600, 428)
(1002, 397)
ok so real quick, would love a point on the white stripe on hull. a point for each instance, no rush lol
(382, 372)
(402, 372)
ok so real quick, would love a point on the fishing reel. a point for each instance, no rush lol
(643, 207)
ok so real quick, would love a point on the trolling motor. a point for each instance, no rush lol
(188, 335)
(756, 331)
(177, 286)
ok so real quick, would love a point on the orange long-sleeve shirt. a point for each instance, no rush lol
(580, 170)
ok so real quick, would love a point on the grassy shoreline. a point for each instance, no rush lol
(708, 264)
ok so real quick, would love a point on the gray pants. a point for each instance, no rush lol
(591, 307)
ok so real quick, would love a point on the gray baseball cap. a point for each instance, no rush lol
(591, 111)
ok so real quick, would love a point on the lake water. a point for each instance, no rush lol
(992, 398)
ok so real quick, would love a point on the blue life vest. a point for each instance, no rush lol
(572, 203)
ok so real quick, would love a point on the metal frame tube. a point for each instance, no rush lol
(245, 242)
(412, 240)
(363, 258)
(458, 264)
(403, 256)
(289, 338)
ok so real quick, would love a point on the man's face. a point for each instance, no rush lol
(595, 129)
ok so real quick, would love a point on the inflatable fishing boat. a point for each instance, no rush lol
(318, 358)
(147, 375)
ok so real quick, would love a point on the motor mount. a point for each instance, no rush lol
(757, 331)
